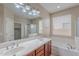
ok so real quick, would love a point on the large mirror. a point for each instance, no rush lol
(33, 28)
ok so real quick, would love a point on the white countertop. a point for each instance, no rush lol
(25, 47)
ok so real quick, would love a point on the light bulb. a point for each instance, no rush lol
(33, 10)
(58, 6)
(24, 10)
(30, 13)
(17, 6)
(27, 7)
(38, 12)
(21, 3)
(34, 14)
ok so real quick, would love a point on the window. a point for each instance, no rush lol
(33, 28)
(77, 28)
(40, 26)
(62, 25)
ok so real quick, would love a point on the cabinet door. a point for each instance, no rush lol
(31, 54)
(40, 51)
(44, 50)
(49, 45)
(48, 48)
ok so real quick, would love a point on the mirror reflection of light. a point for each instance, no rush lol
(27, 7)
(58, 6)
(30, 13)
(38, 12)
(34, 14)
(33, 10)
(21, 3)
(24, 10)
(17, 6)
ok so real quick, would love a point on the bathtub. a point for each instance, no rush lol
(64, 51)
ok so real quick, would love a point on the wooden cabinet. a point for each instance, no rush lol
(31, 54)
(40, 51)
(44, 50)
(48, 48)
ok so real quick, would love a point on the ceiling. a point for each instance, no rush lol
(55, 7)
(17, 11)
(50, 7)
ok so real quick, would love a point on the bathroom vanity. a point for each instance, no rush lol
(44, 50)
(27, 47)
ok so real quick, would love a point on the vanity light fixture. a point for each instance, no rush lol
(35, 12)
(27, 8)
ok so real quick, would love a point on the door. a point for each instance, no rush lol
(17, 31)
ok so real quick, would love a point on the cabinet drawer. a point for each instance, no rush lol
(40, 49)
(41, 53)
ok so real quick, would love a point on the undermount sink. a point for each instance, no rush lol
(3, 50)
(30, 42)
(20, 47)
(13, 52)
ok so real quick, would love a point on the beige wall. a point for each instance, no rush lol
(7, 19)
(8, 25)
(36, 21)
(74, 12)
(1, 24)
(45, 18)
